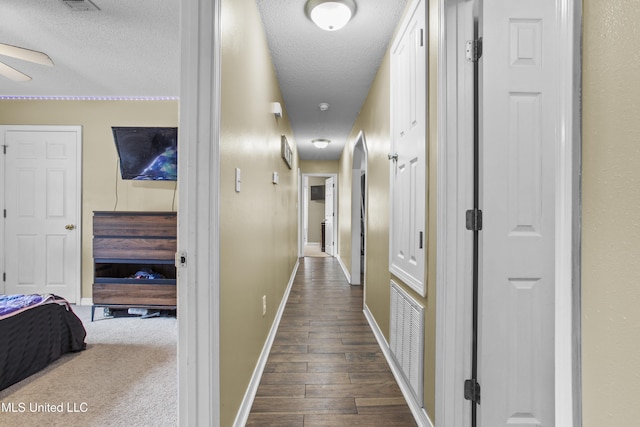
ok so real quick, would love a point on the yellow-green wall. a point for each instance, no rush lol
(258, 225)
(319, 166)
(611, 224)
(374, 121)
(102, 184)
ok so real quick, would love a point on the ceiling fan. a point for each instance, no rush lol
(25, 55)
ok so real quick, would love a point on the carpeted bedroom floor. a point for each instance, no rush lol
(125, 377)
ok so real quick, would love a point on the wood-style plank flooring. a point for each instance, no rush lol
(325, 367)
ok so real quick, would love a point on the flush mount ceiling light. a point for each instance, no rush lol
(320, 143)
(330, 15)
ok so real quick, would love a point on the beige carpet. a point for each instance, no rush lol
(126, 377)
(313, 250)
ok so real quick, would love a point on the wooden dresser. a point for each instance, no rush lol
(134, 260)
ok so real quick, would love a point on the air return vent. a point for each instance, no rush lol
(80, 5)
(407, 338)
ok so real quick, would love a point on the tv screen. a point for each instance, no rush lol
(147, 153)
(317, 192)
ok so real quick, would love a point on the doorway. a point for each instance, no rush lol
(523, 310)
(318, 201)
(358, 210)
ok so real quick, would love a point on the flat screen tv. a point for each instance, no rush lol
(147, 153)
(317, 192)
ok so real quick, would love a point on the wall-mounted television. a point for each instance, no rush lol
(317, 192)
(147, 153)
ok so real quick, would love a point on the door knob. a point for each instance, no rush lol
(70, 227)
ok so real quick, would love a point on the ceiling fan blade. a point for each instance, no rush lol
(13, 74)
(25, 54)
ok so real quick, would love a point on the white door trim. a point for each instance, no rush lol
(453, 241)
(454, 258)
(360, 154)
(336, 247)
(78, 203)
(301, 213)
(199, 184)
(568, 335)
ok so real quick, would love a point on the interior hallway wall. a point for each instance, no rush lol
(259, 225)
(374, 120)
(102, 183)
(319, 166)
(611, 224)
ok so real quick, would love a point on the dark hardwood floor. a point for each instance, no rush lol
(325, 367)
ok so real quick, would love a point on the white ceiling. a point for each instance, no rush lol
(131, 48)
(128, 48)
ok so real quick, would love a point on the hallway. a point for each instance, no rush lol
(325, 367)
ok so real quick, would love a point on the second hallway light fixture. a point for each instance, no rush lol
(330, 15)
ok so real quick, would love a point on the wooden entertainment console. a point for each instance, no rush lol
(134, 260)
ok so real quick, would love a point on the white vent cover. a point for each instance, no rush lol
(80, 5)
(407, 338)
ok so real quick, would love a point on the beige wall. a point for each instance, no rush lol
(611, 224)
(101, 181)
(374, 120)
(259, 246)
(319, 166)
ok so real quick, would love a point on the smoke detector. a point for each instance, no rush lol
(323, 106)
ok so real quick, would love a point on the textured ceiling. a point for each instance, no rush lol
(128, 48)
(131, 49)
(337, 67)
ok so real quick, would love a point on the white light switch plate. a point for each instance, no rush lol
(238, 180)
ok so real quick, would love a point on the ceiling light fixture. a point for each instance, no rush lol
(330, 15)
(320, 142)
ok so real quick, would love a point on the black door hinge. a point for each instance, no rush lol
(474, 220)
(473, 50)
(472, 391)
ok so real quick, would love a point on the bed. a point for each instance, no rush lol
(35, 330)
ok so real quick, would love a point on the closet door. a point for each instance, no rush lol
(409, 154)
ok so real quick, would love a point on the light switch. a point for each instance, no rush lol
(238, 180)
(274, 177)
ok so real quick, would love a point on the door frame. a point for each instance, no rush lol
(78, 202)
(198, 280)
(360, 157)
(453, 331)
(305, 212)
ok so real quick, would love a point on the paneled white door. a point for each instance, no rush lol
(409, 156)
(329, 215)
(518, 137)
(42, 205)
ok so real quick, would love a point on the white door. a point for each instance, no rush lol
(42, 235)
(518, 117)
(329, 215)
(409, 142)
(305, 211)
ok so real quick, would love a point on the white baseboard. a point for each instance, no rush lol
(250, 394)
(346, 272)
(419, 413)
(86, 301)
